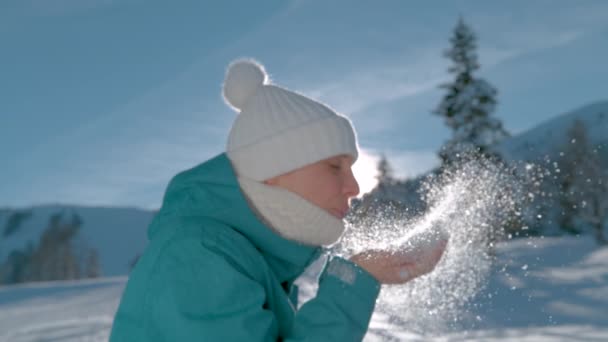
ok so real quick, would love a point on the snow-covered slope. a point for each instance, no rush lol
(118, 234)
(542, 289)
(548, 138)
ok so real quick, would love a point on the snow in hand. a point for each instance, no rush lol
(467, 203)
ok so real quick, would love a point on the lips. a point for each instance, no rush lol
(339, 213)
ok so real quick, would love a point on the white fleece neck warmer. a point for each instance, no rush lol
(292, 216)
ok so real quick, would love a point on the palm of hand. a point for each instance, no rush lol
(399, 267)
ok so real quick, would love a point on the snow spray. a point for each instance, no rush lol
(470, 203)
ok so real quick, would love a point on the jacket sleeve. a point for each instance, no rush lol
(206, 298)
(342, 309)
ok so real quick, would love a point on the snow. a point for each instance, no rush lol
(540, 289)
(543, 139)
(59, 311)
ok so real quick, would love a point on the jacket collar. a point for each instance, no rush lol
(211, 190)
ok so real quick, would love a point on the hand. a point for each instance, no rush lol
(398, 267)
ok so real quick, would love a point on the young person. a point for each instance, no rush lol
(234, 232)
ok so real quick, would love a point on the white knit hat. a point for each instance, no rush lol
(277, 130)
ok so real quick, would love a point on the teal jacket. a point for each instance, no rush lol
(212, 271)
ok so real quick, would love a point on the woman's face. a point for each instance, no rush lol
(329, 184)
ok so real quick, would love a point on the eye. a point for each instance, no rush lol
(335, 165)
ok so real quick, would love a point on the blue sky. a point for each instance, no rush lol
(103, 101)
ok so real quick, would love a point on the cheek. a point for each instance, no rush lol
(327, 189)
(320, 186)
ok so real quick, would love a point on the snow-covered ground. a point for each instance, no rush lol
(59, 311)
(540, 289)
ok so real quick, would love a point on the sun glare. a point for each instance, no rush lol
(365, 171)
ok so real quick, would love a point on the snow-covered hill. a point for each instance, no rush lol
(541, 289)
(547, 139)
(118, 234)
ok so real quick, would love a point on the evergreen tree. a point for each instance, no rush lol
(91, 267)
(575, 151)
(14, 269)
(385, 171)
(54, 257)
(584, 184)
(59, 255)
(14, 222)
(469, 102)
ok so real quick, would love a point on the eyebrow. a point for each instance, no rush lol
(340, 158)
(346, 158)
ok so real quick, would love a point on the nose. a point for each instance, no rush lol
(350, 186)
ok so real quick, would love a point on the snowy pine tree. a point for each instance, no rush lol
(469, 102)
(385, 171)
(575, 151)
(54, 257)
(92, 269)
(584, 184)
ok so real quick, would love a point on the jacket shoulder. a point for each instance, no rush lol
(220, 241)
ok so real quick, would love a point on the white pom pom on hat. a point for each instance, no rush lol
(277, 130)
(243, 78)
